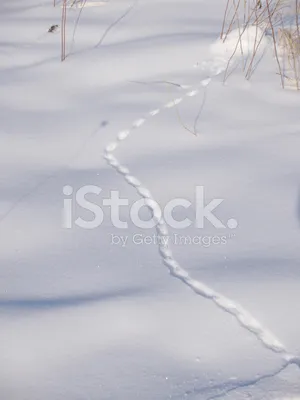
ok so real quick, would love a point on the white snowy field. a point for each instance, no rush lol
(84, 317)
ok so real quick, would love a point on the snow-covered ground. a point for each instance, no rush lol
(87, 316)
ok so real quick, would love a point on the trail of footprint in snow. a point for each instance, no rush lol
(222, 53)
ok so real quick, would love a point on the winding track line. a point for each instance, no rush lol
(243, 317)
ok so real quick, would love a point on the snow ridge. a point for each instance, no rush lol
(244, 318)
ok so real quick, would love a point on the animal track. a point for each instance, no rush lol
(244, 318)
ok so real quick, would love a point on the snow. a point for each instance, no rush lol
(87, 315)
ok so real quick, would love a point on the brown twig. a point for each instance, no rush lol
(236, 8)
(83, 3)
(224, 19)
(274, 41)
(63, 30)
